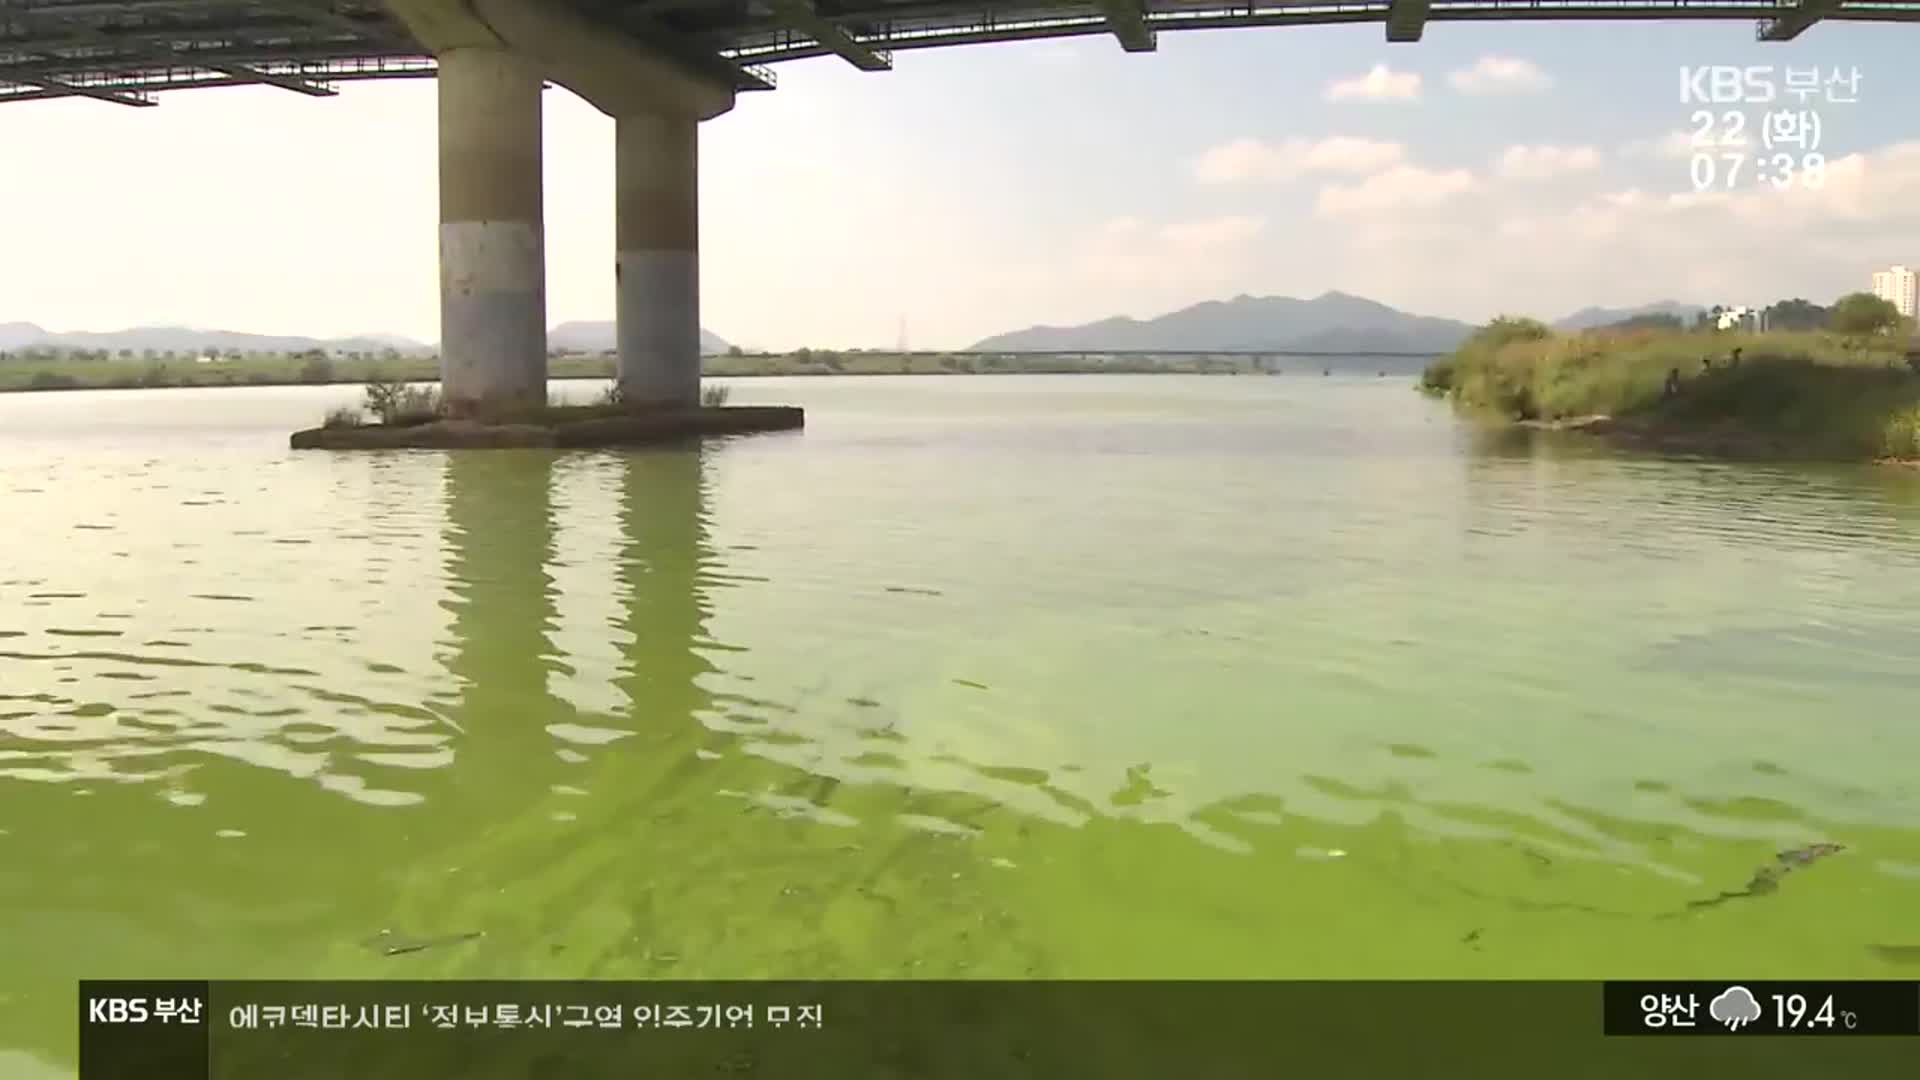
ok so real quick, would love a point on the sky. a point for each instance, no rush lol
(1491, 168)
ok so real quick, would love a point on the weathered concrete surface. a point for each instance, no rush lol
(493, 267)
(657, 257)
(618, 75)
(636, 429)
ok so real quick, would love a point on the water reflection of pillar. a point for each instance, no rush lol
(500, 540)
(664, 608)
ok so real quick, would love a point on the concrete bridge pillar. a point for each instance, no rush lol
(657, 256)
(493, 273)
(493, 56)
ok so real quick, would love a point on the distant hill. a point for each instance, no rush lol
(595, 337)
(1331, 322)
(18, 335)
(182, 339)
(581, 336)
(1591, 317)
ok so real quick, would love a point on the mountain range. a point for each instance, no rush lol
(179, 339)
(1589, 317)
(602, 337)
(582, 336)
(1330, 322)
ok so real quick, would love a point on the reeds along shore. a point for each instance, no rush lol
(1816, 394)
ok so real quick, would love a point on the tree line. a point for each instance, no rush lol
(71, 354)
(1854, 313)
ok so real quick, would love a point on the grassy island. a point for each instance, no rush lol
(405, 416)
(1805, 394)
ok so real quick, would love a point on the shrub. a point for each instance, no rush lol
(317, 369)
(715, 395)
(1438, 377)
(1901, 437)
(1863, 313)
(52, 380)
(398, 404)
(1507, 329)
(346, 416)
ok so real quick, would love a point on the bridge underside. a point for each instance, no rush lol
(124, 51)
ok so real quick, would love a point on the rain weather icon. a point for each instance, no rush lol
(1735, 1006)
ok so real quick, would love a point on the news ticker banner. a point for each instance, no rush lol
(427, 1029)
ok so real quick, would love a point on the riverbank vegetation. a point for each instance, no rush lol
(72, 372)
(391, 402)
(43, 370)
(1846, 392)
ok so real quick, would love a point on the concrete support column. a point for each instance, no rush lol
(657, 253)
(493, 264)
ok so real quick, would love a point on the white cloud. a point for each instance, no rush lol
(1599, 219)
(1672, 145)
(1500, 75)
(1182, 254)
(1857, 190)
(1556, 250)
(1860, 197)
(1247, 159)
(1544, 162)
(1207, 237)
(1380, 83)
(1401, 187)
(1859, 194)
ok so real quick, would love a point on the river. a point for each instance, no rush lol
(1078, 676)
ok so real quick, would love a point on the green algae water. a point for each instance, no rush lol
(1054, 677)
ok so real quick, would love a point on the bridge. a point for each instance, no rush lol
(1188, 354)
(658, 67)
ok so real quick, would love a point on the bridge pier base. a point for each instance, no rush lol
(657, 257)
(493, 287)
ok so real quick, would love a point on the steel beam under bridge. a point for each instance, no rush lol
(123, 50)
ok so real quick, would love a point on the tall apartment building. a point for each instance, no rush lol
(1896, 285)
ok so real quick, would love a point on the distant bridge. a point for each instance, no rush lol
(658, 67)
(1207, 354)
(1260, 360)
(1114, 354)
